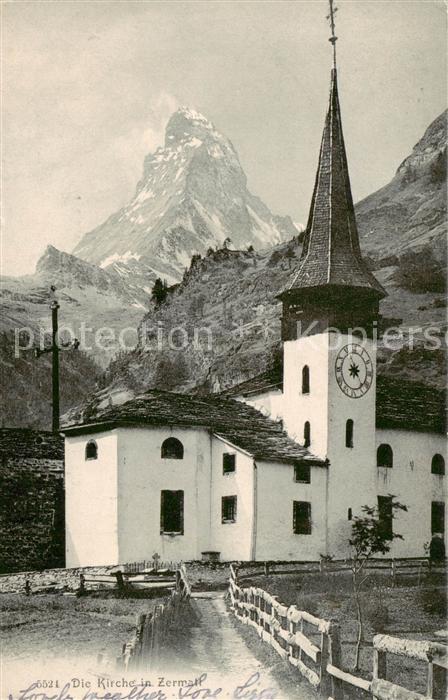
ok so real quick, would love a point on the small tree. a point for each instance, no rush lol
(289, 255)
(159, 291)
(372, 533)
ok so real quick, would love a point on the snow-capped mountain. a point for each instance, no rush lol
(192, 196)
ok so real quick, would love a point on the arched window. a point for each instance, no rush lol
(438, 465)
(384, 456)
(349, 433)
(172, 448)
(307, 434)
(91, 450)
(305, 380)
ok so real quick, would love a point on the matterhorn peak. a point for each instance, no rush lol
(192, 196)
(185, 124)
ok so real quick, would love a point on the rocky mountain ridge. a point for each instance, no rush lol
(410, 212)
(91, 299)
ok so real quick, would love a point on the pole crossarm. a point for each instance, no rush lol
(55, 349)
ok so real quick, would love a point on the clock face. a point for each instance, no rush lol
(354, 370)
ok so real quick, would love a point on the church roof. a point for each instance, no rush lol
(331, 255)
(400, 404)
(239, 424)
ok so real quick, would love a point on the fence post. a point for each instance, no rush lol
(392, 573)
(266, 568)
(120, 581)
(149, 640)
(292, 628)
(337, 690)
(436, 681)
(379, 664)
(82, 583)
(325, 680)
(27, 587)
(140, 627)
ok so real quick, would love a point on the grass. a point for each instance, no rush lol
(44, 626)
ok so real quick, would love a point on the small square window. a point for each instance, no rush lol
(302, 473)
(301, 518)
(228, 463)
(228, 509)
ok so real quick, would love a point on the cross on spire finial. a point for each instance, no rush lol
(333, 39)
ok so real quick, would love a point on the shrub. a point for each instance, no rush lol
(420, 272)
(438, 169)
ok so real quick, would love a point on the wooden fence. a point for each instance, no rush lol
(161, 579)
(142, 652)
(312, 645)
(393, 569)
(153, 564)
(434, 654)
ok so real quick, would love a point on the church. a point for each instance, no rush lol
(277, 467)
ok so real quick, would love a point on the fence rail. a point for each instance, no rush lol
(142, 652)
(153, 564)
(312, 645)
(395, 568)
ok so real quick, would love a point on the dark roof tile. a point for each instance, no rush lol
(240, 424)
(400, 404)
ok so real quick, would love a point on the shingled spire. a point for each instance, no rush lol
(331, 254)
(331, 269)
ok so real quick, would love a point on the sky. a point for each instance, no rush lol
(89, 86)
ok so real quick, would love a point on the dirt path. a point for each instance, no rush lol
(218, 649)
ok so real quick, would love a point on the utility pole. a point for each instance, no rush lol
(55, 349)
(54, 306)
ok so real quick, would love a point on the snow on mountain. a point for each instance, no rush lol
(192, 196)
(91, 298)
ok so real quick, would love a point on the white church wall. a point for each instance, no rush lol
(232, 540)
(352, 471)
(143, 474)
(91, 501)
(411, 482)
(276, 490)
(298, 407)
(269, 403)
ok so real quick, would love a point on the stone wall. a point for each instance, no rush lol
(31, 500)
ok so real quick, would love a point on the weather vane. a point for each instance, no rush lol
(333, 39)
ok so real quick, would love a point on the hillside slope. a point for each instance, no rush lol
(25, 384)
(221, 325)
(410, 212)
(90, 299)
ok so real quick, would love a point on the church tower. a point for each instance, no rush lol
(330, 311)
